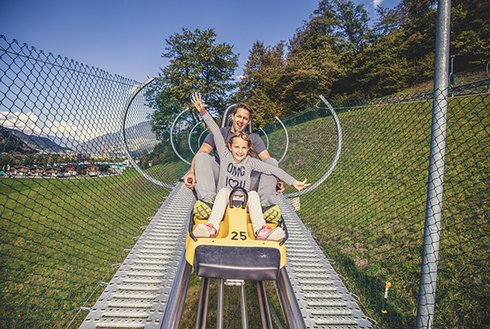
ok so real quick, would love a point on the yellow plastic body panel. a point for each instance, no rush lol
(235, 230)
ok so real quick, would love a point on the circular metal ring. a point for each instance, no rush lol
(189, 138)
(134, 93)
(266, 138)
(287, 140)
(335, 160)
(172, 138)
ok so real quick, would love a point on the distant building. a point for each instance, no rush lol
(36, 171)
(50, 171)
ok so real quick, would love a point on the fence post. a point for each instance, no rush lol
(433, 211)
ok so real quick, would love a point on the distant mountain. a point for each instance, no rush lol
(11, 143)
(139, 138)
(30, 143)
(69, 143)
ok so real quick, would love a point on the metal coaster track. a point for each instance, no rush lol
(137, 295)
(148, 290)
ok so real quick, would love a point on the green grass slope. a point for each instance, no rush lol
(369, 214)
(61, 238)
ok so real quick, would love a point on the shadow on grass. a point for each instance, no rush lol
(371, 291)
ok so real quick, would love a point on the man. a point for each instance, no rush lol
(204, 172)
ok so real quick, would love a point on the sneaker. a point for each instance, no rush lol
(272, 214)
(269, 233)
(202, 209)
(205, 231)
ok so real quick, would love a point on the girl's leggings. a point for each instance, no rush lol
(253, 204)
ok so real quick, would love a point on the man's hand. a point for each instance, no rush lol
(190, 180)
(280, 187)
(300, 185)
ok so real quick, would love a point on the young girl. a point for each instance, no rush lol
(235, 168)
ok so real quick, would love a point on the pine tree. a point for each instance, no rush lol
(260, 85)
(470, 33)
(313, 64)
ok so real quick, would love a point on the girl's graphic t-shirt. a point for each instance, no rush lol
(234, 174)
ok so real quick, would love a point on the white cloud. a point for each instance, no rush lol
(377, 3)
(25, 122)
(30, 124)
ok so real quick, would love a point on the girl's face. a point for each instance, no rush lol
(239, 148)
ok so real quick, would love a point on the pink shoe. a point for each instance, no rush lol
(269, 233)
(205, 231)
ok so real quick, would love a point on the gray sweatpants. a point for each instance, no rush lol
(206, 170)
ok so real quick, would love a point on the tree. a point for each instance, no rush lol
(198, 63)
(470, 32)
(259, 86)
(352, 36)
(253, 75)
(418, 29)
(352, 21)
(382, 67)
(313, 64)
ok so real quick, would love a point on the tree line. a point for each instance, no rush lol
(338, 52)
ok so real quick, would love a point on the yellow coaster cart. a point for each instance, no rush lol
(235, 253)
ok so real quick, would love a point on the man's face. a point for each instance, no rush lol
(240, 120)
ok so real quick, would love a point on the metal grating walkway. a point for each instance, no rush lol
(137, 294)
(321, 295)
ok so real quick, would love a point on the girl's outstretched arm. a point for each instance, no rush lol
(266, 168)
(213, 127)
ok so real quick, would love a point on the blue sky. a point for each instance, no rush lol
(127, 37)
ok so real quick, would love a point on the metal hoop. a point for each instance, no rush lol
(287, 140)
(189, 138)
(132, 96)
(266, 138)
(172, 138)
(336, 158)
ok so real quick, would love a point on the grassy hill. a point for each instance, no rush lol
(369, 215)
(60, 237)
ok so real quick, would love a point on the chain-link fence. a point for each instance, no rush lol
(72, 204)
(369, 214)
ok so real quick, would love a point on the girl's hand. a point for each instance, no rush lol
(196, 100)
(300, 185)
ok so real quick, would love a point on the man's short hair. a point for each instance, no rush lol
(243, 106)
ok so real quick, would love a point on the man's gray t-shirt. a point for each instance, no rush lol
(257, 142)
(232, 174)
